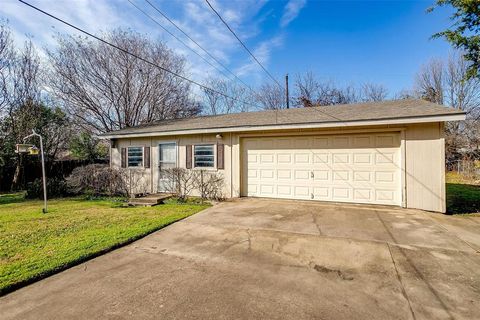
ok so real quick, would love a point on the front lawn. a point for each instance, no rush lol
(34, 245)
(462, 195)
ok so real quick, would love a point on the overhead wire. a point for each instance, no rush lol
(198, 44)
(242, 43)
(133, 54)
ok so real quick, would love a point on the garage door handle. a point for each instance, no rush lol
(312, 175)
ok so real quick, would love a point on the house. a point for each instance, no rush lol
(387, 153)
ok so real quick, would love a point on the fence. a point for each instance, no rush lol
(32, 170)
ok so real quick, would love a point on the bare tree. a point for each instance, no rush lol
(104, 89)
(270, 97)
(6, 57)
(226, 97)
(309, 91)
(460, 93)
(446, 82)
(429, 81)
(373, 92)
(213, 98)
(406, 94)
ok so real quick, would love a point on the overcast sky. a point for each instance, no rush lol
(346, 41)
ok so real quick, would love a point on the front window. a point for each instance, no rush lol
(204, 156)
(135, 156)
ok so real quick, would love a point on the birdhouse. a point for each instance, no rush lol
(33, 151)
(23, 148)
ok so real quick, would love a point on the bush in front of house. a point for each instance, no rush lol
(182, 182)
(98, 180)
(56, 187)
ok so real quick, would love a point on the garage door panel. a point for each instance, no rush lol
(341, 175)
(362, 168)
(363, 141)
(363, 158)
(320, 158)
(341, 158)
(285, 191)
(267, 190)
(284, 174)
(321, 193)
(362, 176)
(363, 195)
(266, 174)
(321, 175)
(284, 158)
(340, 193)
(302, 192)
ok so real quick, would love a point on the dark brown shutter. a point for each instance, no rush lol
(220, 152)
(124, 157)
(146, 155)
(189, 157)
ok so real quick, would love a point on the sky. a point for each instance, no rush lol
(348, 42)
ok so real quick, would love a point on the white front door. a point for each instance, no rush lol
(362, 168)
(167, 160)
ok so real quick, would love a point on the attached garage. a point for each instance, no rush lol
(382, 153)
(359, 168)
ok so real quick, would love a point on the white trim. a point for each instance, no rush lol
(157, 165)
(410, 120)
(143, 158)
(214, 168)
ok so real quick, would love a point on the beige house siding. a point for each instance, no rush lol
(425, 167)
(422, 148)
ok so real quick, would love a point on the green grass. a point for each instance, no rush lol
(463, 197)
(34, 245)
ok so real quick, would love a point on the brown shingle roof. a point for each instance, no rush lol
(395, 109)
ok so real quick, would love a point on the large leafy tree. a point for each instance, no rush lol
(464, 34)
(85, 146)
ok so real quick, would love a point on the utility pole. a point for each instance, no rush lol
(286, 91)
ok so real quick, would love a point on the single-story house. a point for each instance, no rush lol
(387, 153)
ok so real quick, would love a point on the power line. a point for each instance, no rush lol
(243, 44)
(197, 44)
(133, 55)
(177, 38)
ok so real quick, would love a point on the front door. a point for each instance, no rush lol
(167, 160)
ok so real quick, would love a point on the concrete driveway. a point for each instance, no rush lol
(275, 259)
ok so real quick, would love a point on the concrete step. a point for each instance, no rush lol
(149, 200)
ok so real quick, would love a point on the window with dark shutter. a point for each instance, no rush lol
(220, 152)
(188, 163)
(146, 151)
(124, 157)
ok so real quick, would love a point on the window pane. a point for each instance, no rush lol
(204, 156)
(135, 156)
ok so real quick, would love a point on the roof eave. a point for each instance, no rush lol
(333, 124)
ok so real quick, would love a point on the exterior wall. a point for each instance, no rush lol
(423, 164)
(425, 167)
(144, 180)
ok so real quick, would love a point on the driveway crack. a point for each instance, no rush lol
(417, 271)
(404, 292)
(316, 224)
(453, 234)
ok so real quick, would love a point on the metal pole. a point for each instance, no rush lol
(44, 178)
(286, 91)
(45, 209)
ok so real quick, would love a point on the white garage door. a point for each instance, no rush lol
(345, 168)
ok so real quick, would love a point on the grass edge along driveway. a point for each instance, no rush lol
(35, 245)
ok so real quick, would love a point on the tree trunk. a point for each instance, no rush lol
(17, 181)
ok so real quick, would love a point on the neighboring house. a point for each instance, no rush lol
(388, 153)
